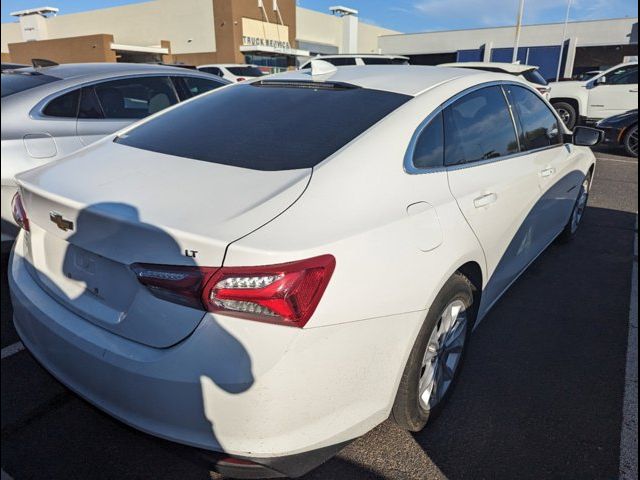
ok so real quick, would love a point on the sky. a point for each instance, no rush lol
(410, 15)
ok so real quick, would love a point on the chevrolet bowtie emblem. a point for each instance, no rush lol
(60, 221)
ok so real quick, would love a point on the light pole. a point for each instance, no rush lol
(564, 38)
(514, 59)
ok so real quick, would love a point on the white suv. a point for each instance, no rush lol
(233, 72)
(349, 60)
(528, 73)
(612, 92)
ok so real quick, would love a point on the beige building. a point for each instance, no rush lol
(272, 33)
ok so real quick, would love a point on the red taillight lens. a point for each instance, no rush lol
(19, 213)
(240, 79)
(286, 294)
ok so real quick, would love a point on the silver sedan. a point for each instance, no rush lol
(50, 112)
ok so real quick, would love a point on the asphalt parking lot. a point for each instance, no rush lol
(540, 396)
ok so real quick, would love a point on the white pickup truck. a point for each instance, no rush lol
(611, 92)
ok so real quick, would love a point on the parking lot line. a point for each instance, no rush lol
(12, 350)
(629, 439)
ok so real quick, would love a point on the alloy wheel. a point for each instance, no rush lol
(632, 142)
(442, 355)
(580, 206)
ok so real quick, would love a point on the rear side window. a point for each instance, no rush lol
(540, 127)
(429, 149)
(198, 85)
(63, 106)
(16, 82)
(281, 127)
(479, 127)
(135, 97)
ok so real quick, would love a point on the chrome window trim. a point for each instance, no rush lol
(411, 169)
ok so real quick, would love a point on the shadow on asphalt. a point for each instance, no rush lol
(540, 394)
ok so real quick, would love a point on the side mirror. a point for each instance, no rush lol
(601, 80)
(587, 137)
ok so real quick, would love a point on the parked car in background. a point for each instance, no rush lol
(7, 66)
(50, 112)
(622, 130)
(529, 73)
(233, 72)
(347, 60)
(216, 280)
(609, 93)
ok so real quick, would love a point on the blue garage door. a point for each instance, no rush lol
(546, 58)
(476, 55)
(506, 54)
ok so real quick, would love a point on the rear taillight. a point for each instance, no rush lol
(286, 294)
(240, 79)
(19, 213)
(182, 285)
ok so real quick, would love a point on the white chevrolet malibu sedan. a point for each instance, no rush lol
(269, 271)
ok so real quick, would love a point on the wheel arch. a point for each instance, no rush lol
(472, 271)
(572, 101)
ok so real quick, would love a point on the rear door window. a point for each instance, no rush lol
(65, 106)
(266, 126)
(195, 86)
(540, 127)
(135, 97)
(479, 127)
(89, 105)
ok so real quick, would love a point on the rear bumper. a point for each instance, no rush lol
(285, 398)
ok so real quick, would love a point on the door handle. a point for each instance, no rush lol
(485, 200)
(633, 91)
(547, 172)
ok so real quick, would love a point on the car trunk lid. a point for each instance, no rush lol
(105, 208)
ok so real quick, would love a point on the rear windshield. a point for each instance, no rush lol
(534, 76)
(15, 82)
(245, 71)
(265, 127)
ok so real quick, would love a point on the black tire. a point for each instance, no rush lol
(631, 141)
(567, 113)
(571, 228)
(407, 410)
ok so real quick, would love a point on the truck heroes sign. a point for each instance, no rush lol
(273, 36)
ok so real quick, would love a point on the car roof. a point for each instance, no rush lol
(404, 79)
(74, 70)
(505, 67)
